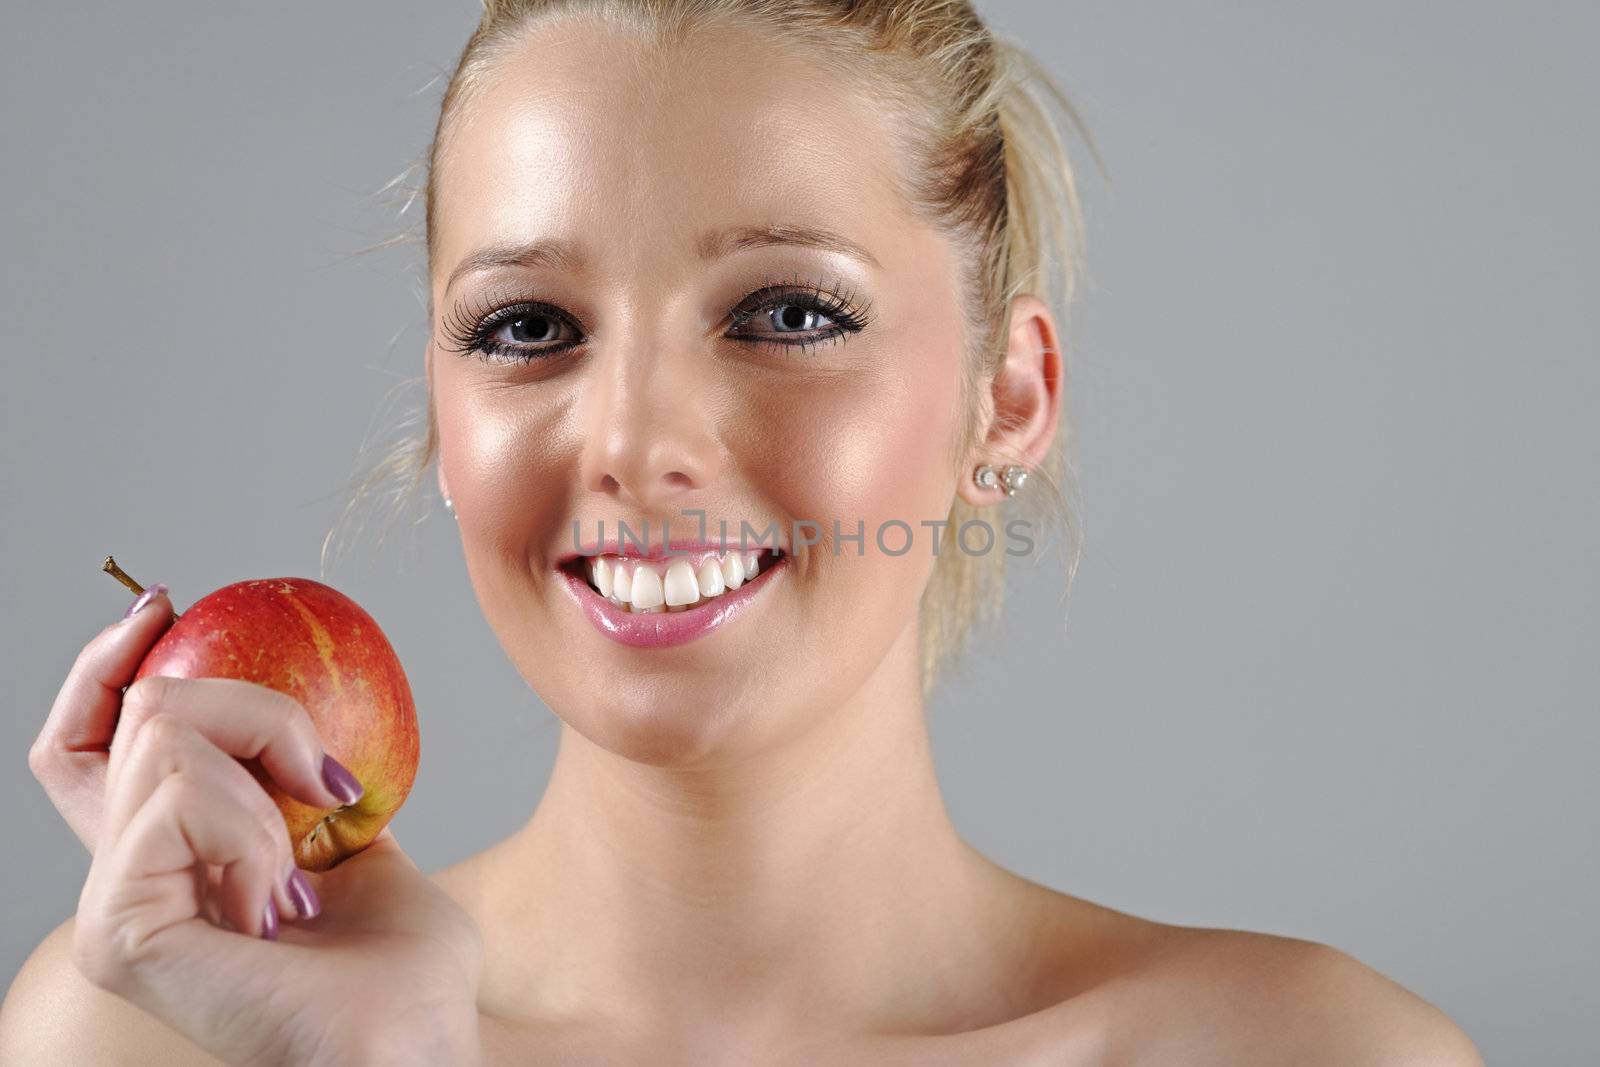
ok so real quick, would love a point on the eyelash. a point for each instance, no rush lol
(470, 328)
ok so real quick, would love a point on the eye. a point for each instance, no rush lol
(530, 328)
(790, 319)
(520, 333)
(785, 316)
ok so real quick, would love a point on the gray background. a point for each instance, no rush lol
(1331, 667)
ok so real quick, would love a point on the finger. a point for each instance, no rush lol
(137, 936)
(166, 745)
(69, 755)
(124, 792)
(245, 720)
(84, 715)
(141, 887)
(378, 888)
(208, 889)
(208, 886)
(139, 768)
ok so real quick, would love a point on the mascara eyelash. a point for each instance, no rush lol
(841, 307)
(470, 326)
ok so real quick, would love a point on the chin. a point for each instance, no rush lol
(660, 726)
(752, 685)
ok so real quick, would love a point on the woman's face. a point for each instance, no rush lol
(661, 374)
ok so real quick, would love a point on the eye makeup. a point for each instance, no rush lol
(507, 331)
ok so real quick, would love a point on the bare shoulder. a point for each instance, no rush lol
(1198, 995)
(53, 1015)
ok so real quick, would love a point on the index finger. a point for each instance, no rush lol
(71, 755)
(84, 715)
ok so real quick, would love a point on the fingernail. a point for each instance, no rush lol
(340, 782)
(269, 920)
(144, 598)
(304, 897)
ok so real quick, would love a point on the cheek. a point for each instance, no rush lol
(500, 457)
(872, 438)
(871, 446)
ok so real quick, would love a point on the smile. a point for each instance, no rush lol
(660, 602)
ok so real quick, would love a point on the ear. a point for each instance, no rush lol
(1027, 397)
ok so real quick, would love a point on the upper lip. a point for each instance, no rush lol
(655, 549)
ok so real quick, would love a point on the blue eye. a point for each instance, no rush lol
(509, 333)
(527, 327)
(530, 331)
(794, 318)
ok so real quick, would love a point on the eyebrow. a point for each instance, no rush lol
(721, 243)
(558, 254)
(563, 255)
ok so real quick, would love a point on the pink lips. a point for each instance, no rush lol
(667, 628)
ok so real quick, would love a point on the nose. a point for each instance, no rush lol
(651, 441)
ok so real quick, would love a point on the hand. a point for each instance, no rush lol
(192, 872)
(69, 756)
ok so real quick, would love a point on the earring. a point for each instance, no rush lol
(449, 506)
(985, 476)
(1013, 478)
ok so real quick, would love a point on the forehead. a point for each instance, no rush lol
(581, 133)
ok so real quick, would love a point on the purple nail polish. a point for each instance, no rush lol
(269, 920)
(304, 897)
(340, 782)
(144, 598)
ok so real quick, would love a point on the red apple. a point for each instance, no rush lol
(312, 642)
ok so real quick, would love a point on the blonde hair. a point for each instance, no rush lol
(986, 166)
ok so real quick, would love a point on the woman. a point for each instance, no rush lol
(764, 263)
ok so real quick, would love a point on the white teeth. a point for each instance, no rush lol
(733, 570)
(645, 587)
(646, 592)
(681, 586)
(710, 579)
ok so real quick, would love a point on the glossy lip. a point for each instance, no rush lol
(666, 628)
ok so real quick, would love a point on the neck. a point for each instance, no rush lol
(820, 876)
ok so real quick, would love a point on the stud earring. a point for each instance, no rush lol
(985, 476)
(449, 506)
(1013, 478)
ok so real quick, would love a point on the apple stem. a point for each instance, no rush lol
(111, 568)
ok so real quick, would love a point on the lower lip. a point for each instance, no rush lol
(665, 629)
